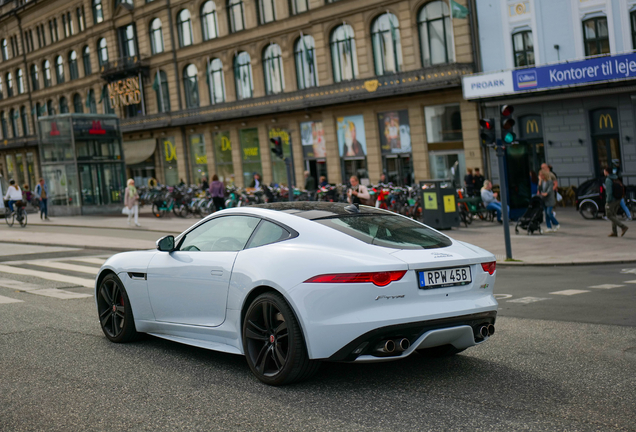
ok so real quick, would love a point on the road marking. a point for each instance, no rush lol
(629, 271)
(631, 281)
(99, 261)
(59, 265)
(9, 300)
(606, 286)
(502, 296)
(569, 292)
(88, 283)
(526, 300)
(59, 294)
(18, 285)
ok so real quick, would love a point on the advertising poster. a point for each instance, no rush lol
(351, 138)
(395, 132)
(313, 140)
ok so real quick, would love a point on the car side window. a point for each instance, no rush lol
(223, 234)
(266, 233)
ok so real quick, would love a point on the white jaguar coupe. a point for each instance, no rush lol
(291, 284)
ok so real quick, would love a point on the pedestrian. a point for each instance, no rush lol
(131, 201)
(204, 183)
(256, 181)
(469, 182)
(323, 181)
(13, 195)
(550, 176)
(217, 192)
(614, 191)
(489, 198)
(534, 183)
(547, 193)
(617, 170)
(310, 182)
(42, 192)
(478, 180)
(357, 193)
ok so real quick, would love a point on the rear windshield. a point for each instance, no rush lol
(389, 231)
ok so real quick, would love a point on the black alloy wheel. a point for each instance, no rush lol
(273, 342)
(115, 313)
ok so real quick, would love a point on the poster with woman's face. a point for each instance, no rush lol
(313, 140)
(351, 138)
(395, 132)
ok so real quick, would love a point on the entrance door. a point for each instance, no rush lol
(317, 168)
(608, 153)
(355, 167)
(448, 166)
(398, 169)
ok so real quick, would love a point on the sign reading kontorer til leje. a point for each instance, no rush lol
(124, 92)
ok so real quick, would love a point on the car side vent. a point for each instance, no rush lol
(137, 276)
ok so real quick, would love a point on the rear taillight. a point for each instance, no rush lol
(376, 278)
(489, 267)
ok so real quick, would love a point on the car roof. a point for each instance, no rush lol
(317, 210)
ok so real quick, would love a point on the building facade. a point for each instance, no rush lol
(568, 69)
(353, 88)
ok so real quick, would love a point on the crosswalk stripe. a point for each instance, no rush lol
(526, 300)
(59, 294)
(606, 286)
(88, 283)
(59, 265)
(569, 292)
(9, 300)
(18, 285)
(99, 261)
(631, 282)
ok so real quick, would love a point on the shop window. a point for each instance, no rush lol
(9, 84)
(343, 54)
(273, 69)
(59, 70)
(78, 105)
(243, 76)
(387, 47)
(443, 123)
(279, 169)
(251, 155)
(30, 160)
(156, 36)
(450, 165)
(20, 78)
(170, 167)
(35, 80)
(184, 27)
(72, 65)
(223, 157)
(523, 48)
(266, 12)
(596, 36)
(161, 90)
(86, 59)
(236, 15)
(298, 6)
(106, 101)
(191, 86)
(435, 30)
(63, 105)
(305, 53)
(199, 158)
(25, 120)
(216, 81)
(208, 20)
(102, 52)
(98, 13)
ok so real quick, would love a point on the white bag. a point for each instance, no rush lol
(125, 211)
(559, 197)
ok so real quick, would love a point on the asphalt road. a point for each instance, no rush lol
(567, 362)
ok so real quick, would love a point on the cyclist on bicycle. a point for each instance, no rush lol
(13, 194)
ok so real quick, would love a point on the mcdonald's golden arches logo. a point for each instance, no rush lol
(604, 121)
(532, 126)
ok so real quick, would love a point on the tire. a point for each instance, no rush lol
(588, 210)
(9, 217)
(156, 212)
(440, 351)
(23, 221)
(114, 311)
(273, 342)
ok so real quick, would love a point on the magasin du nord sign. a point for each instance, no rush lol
(124, 92)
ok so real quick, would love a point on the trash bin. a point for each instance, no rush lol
(439, 204)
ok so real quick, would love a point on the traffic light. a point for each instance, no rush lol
(507, 122)
(277, 149)
(487, 131)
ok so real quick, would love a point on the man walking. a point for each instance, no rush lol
(478, 181)
(42, 192)
(613, 201)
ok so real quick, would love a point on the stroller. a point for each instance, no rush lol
(532, 218)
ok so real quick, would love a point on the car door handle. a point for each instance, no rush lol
(216, 272)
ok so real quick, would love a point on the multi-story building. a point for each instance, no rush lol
(567, 68)
(352, 87)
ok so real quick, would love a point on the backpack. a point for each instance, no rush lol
(618, 190)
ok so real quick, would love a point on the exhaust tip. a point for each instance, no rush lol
(483, 331)
(491, 329)
(389, 346)
(403, 344)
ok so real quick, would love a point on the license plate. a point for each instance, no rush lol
(444, 277)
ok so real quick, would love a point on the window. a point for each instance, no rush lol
(298, 6)
(387, 48)
(208, 20)
(86, 59)
(72, 65)
(25, 121)
(127, 41)
(222, 234)
(435, 33)
(55, 36)
(184, 25)
(343, 54)
(67, 23)
(268, 233)
(156, 36)
(59, 69)
(243, 76)
(266, 12)
(49, 108)
(5, 50)
(63, 105)
(106, 101)
(633, 20)
(80, 18)
(596, 36)
(443, 123)
(523, 48)
(235, 15)
(9, 84)
(20, 76)
(98, 13)
(90, 102)
(273, 69)
(305, 54)
(216, 81)
(46, 67)
(26, 42)
(191, 86)
(161, 89)
(1, 91)
(13, 117)
(78, 106)
(69, 18)
(35, 79)
(102, 52)
(37, 31)
(5, 129)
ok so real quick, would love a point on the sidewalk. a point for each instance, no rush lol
(579, 241)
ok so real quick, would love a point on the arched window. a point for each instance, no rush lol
(5, 50)
(235, 15)
(98, 13)
(13, 118)
(20, 76)
(50, 110)
(59, 69)
(162, 92)
(86, 59)
(305, 53)
(343, 54)
(35, 78)
(1, 89)
(523, 48)
(191, 86)
(46, 66)
(63, 105)
(72, 65)
(273, 69)
(298, 6)
(106, 101)
(243, 76)
(266, 12)
(596, 36)
(78, 106)
(435, 29)
(3, 121)
(208, 20)
(156, 36)
(39, 111)
(216, 81)
(184, 26)
(102, 52)
(9, 84)
(387, 48)
(25, 120)
(90, 103)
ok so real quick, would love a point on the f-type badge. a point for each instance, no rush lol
(384, 297)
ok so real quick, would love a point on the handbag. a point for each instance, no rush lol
(559, 197)
(125, 211)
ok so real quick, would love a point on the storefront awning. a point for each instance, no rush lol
(138, 151)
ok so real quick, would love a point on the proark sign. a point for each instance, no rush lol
(124, 92)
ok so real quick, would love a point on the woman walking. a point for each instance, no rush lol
(546, 191)
(131, 201)
(217, 192)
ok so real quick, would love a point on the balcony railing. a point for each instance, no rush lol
(124, 66)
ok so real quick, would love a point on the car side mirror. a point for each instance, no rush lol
(166, 244)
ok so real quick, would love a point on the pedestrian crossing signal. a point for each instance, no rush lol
(487, 131)
(277, 149)
(507, 123)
